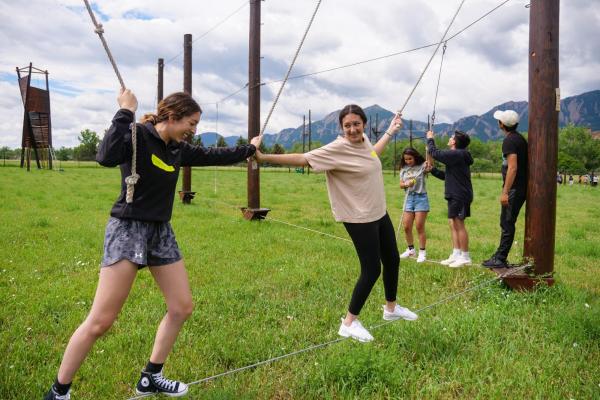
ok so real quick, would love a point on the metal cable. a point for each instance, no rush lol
(370, 59)
(431, 58)
(312, 18)
(437, 88)
(211, 29)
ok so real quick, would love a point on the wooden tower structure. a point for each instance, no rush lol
(37, 127)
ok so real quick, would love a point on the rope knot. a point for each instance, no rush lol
(132, 179)
(99, 29)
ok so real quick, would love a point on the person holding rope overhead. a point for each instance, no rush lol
(356, 193)
(458, 191)
(416, 204)
(139, 234)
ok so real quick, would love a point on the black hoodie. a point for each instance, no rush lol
(457, 176)
(157, 164)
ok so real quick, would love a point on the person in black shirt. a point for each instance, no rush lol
(514, 189)
(139, 234)
(458, 191)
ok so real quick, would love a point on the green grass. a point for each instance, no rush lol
(263, 289)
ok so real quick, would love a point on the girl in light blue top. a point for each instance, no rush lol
(416, 205)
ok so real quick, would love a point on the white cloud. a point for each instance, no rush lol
(484, 66)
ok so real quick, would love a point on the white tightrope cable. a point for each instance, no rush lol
(132, 179)
(337, 340)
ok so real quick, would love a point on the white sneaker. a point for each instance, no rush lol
(422, 256)
(408, 253)
(449, 260)
(355, 331)
(460, 261)
(399, 312)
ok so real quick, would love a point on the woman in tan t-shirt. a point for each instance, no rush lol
(356, 193)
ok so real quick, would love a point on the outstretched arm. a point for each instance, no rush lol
(293, 159)
(395, 126)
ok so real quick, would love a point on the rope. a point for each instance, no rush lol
(431, 58)
(437, 88)
(285, 79)
(132, 179)
(325, 344)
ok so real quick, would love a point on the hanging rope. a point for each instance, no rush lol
(431, 58)
(437, 88)
(287, 75)
(132, 179)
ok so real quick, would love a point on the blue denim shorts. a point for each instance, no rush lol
(416, 202)
(143, 243)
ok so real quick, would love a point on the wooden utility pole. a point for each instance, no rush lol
(186, 193)
(253, 210)
(544, 107)
(160, 86)
(303, 137)
(309, 136)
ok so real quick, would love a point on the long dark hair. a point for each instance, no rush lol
(176, 105)
(353, 109)
(409, 151)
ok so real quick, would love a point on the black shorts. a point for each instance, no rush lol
(458, 209)
(143, 243)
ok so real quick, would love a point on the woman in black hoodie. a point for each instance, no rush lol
(139, 234)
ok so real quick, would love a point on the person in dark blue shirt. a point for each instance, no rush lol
(458, 191)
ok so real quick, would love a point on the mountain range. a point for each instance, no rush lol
(581, 110)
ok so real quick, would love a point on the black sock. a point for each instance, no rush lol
(422, 249)
(60, 388)
(411, 246)
(153, 368)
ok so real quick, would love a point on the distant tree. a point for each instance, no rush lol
(5, 152)
(89, 145)
(64, 154)
(241, 141)
(577, 148)
(197, 140)
(221, 142)
(263, 148)
(277, 149)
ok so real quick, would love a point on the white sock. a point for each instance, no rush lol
(422, 251)
(456, 252)
(465, 254)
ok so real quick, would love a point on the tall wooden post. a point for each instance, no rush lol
(160, 84)
(186, 193)
(303, 137)
(253, 211)
(544, 107)
(309, 136)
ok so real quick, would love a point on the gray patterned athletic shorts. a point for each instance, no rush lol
(143, 243)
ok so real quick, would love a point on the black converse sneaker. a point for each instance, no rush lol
(52, 395)
(156, 383)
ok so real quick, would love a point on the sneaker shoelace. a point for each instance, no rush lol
(164, 383)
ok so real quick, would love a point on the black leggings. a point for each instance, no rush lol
(375, 243)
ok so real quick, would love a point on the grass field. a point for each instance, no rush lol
(263, 289)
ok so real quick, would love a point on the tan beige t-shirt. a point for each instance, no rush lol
(354, 179)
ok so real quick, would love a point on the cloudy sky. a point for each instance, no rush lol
(484, 66)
